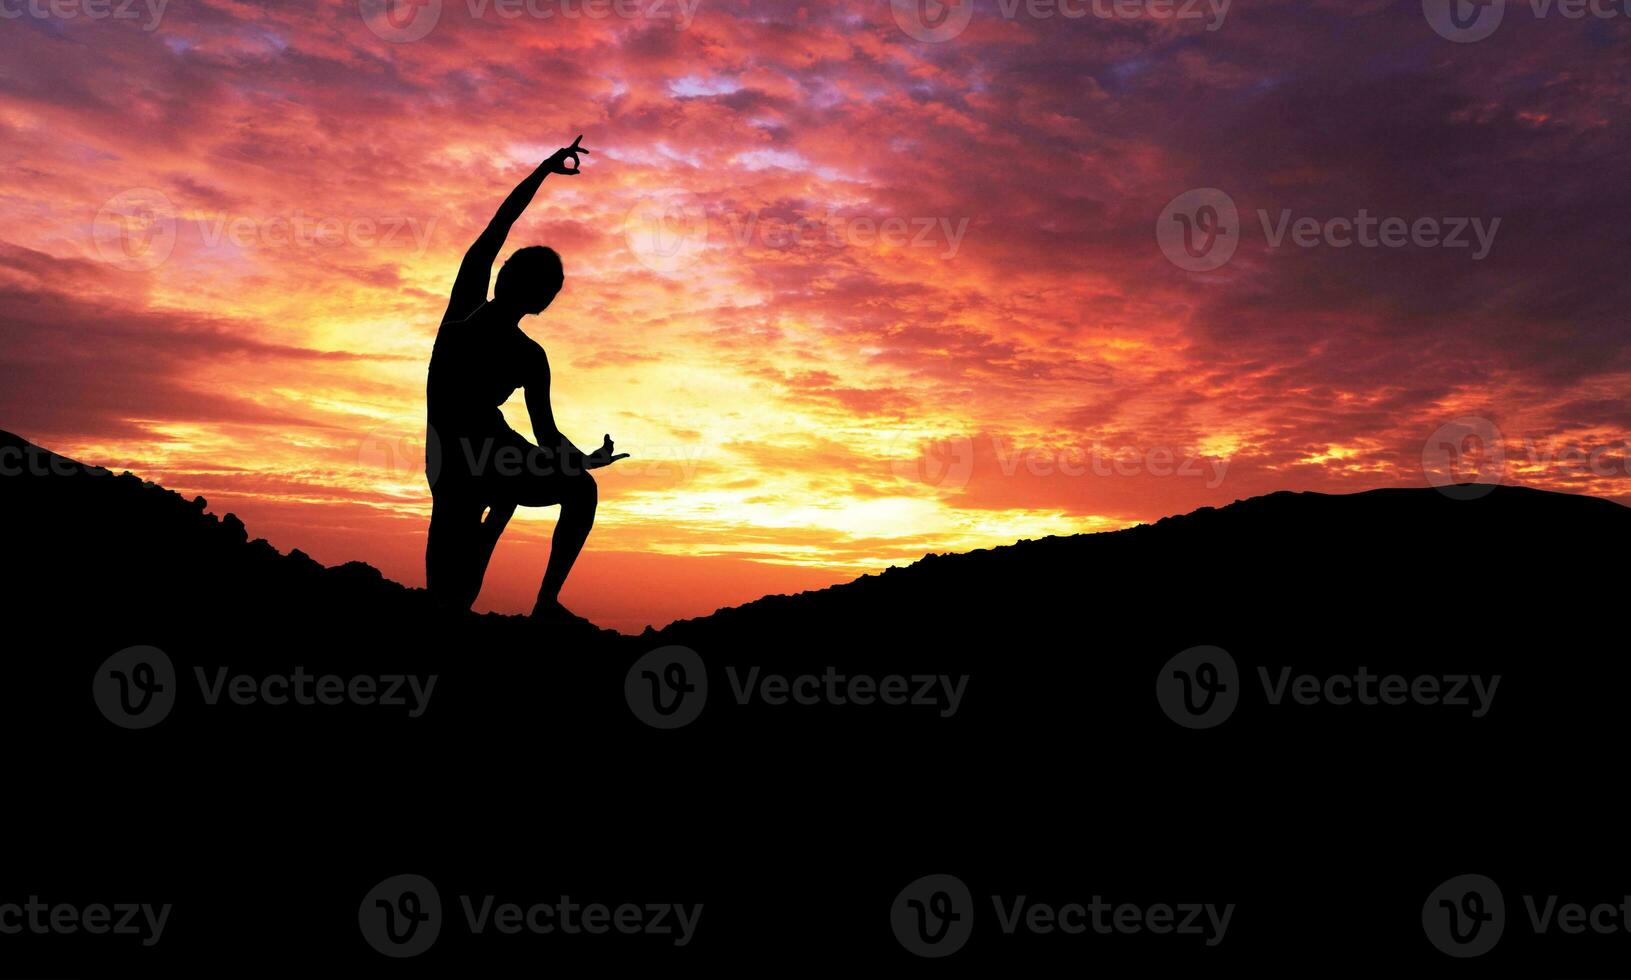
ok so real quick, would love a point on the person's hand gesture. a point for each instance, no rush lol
(556, 164)
(602, 456)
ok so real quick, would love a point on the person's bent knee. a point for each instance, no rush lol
(582, 490)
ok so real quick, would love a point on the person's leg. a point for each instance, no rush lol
(541, 484)
(451, 548)
(498, 515)
(578, 498)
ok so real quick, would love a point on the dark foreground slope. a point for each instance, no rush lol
(1040, 761)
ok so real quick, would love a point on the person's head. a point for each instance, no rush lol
(529, 280)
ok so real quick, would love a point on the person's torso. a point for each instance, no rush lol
(475, 367)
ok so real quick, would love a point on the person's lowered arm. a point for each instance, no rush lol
(542, 415)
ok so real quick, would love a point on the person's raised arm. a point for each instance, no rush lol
(476, 271)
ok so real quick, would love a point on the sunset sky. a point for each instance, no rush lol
(848, 296)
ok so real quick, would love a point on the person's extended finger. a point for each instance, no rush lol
(618, 457)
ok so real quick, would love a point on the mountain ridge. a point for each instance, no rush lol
(357, 574)
(1035, 717)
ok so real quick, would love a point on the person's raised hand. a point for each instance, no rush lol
(603, 456)
(557, 162)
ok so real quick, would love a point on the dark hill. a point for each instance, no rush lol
(1058, 773)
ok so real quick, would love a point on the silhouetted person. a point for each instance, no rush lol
(477, 464)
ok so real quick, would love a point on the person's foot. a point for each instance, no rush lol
(552, 613)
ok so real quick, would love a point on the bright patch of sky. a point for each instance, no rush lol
(693, 86)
